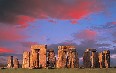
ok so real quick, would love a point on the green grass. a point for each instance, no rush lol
(110, 70)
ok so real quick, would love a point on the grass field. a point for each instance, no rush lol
(110, 70)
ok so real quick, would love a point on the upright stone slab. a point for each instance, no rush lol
(26, 60)
(61, 62)
(16, 63)
(38, 56)
(10, 62)
(101, 60)
(72, 61)
(90, 58)
(51, 59)
(107, 58)
(60, 56)
(94, 60)
(86, 59)
(67, 57)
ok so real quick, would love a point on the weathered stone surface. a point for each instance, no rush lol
(26, 60)
(86, 59)
(72, 59)
(104, 59)
(51, 58)
(16, 63)
(107, 58)
(90, 58)
(38, 56)
(94, 60)
(97, 60)
(67, 57)
(34, 59)
(101, 60)
(10, 62)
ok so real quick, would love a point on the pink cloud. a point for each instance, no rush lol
(24, 20)
(86, 34)
(5, 50)
(11, 34)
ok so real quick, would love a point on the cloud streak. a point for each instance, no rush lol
(4, 50)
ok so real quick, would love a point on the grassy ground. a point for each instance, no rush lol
(111, 70)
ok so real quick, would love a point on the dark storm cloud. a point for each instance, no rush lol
(10, 9)
(55, 46)
(80, 48)
(13, 11)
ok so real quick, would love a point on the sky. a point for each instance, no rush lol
(82, 23)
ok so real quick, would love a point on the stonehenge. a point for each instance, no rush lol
(67, 57)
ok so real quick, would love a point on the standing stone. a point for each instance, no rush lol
(90, 58)
(10, 62)
(86, 59)
(67, 57)
(34, 59)
(38, 56)
(94, 59)
(26, 60)
(60, 56)
(107, 58)
(74, 59)
(16, 63)
(51, 59)
(101, 60)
